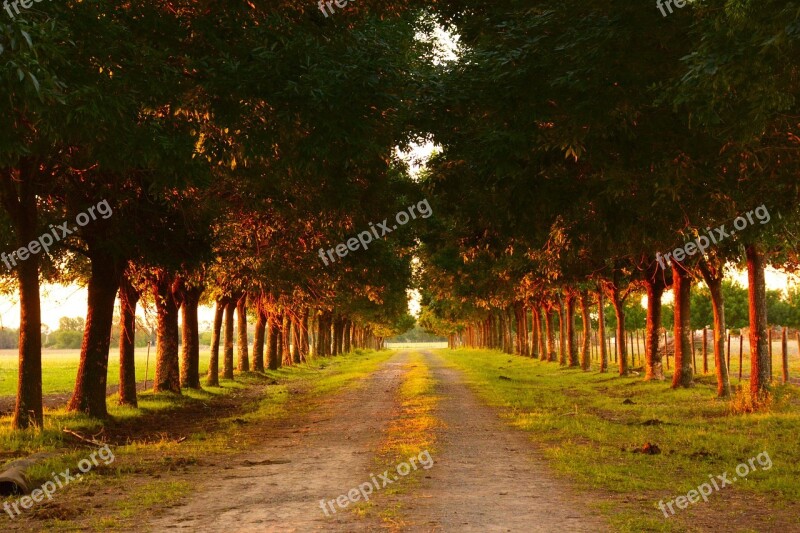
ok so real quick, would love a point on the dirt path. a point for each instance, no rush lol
(487, 476)
(327, 455)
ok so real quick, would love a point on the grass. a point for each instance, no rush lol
(275, 395)
(589, 434)
(59, 368)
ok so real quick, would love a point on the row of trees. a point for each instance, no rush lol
(596, 135)
(231, 141)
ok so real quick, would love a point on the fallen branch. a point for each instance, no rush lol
(82, 438)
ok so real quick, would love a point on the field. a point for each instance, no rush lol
(59, 368)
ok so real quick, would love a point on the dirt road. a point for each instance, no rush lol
(486, 476)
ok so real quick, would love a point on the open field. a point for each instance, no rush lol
(59, 368)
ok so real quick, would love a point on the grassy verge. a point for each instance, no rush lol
(205, 430)
(410, 436)
(590, 431)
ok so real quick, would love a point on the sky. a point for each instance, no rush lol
(70, 301)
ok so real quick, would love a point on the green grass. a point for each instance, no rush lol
(588, 434)
(59, 368)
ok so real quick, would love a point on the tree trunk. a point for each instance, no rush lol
(586, 356)
(285, 334)
(241, 339)
(535, 332)
(227, 352)
(562, 332)
(681, 286)
(90, 385)
(212, 379)
(509, 342)
(273, 336)
(304, 345)
(347, 326)
(619, 312)
(601, 331)
(190, 355)
(258, 341)
(337, 321)
(714, 283)
(654, 368)
(128, 298)
(551, 339)
(572, 343)
(19, 197)
(167, 378)
(318, 338)
(522, 329)
(295, 340)
(757, 299)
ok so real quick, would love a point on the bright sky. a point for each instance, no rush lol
(70, 301)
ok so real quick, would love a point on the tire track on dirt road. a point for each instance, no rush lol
(487, 476)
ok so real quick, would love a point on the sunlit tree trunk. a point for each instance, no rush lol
(227, 351)
(757, 299)
(681, 283)
(286, 355)
(619, 311)
(273, 336)
(601, 331)
(128, 298)
(304, 347)
(347, 346)
(295, 340)
(586, 355)
(714, 282)
(242, 341)
(654, 368)
(551, 338)
(572, 342)
(212, 379)
(190, 370)
(535, 332)
(18, 191)
(562, 331)
(89, 395)
(258, 340)
(167, 378)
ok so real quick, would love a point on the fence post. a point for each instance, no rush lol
(633, 355)
(785, 354)
(770, 353)
(729, 351)
(705, 350)
(741, 340)
(666, 352)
